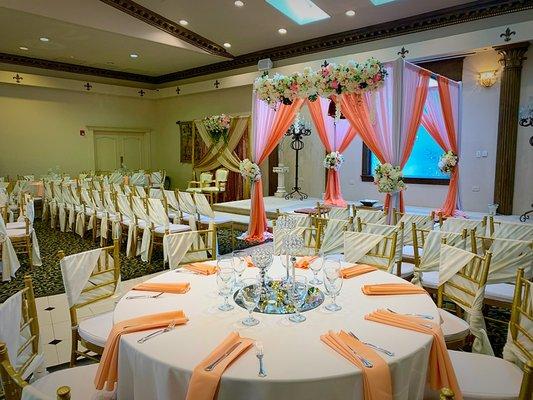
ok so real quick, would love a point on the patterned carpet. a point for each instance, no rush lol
(47, 278)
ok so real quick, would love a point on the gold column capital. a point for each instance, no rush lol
(512, 55)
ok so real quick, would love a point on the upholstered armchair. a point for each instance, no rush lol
(217, 186)
(196, 186)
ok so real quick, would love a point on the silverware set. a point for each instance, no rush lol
(157, 333)
(377, 348)
(144, 296)
(212, 366)
(424, 316)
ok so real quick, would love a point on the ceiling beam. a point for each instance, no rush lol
(432, 20)
(172, 28)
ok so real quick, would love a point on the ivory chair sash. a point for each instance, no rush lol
(10, 261)
(373, 217)
(425, 222)
(186, 247)
(129, 219)
(339, 212)
(143, 222)
(388, 231)
(369, 248)
(507, 230)
(90, 277)
(333, 240)
(507, 256)
(188, 208)
(462, 279)
(457, 225)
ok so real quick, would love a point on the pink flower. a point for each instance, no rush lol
(294, 87)
(377, 78)
(335, 84)
(325, 72)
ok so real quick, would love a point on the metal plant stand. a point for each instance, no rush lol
(297, 131)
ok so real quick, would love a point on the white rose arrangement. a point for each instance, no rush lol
(448, 161)
(333, 160)
(250, 170)
(389, 179)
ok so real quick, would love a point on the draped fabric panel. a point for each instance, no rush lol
(441, 119)
(336, 136)
(270, 125)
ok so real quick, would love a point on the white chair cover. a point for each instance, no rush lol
(358, 244)
(333, 239)
(125, 209)
(387, 230)
(373, 217)
(175, 247)
(421, 222)
(457, 225)
(140, 191)
(339, 213)
(156, 193)
(29, 212)
(516, 231)
(138, 179)
(507, 256)
(429, 261)
(203, 206)
(118, 188)
(187, 206)
(10, 262)
(115, 178)
(140, 213)
(452, 260)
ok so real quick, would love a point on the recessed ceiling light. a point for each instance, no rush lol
(134, 55)
(44, 39)
(23, 48)
(239, 3)
(183, 22)
(350, 13)
(300, 11)
(227, 45)
(282, 31)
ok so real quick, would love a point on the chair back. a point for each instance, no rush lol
(372, 216)
(510, 230)
(369, 248)
(90, 276)
(192, 246)
(457, 225)
(206, 177)
(339, 212)
(332, 233)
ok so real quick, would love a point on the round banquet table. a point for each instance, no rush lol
(298, 364)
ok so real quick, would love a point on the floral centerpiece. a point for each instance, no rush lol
(388, 178)
(448, 161)
(250, 170)
(330, 80)
(333, 160)
(218, 126)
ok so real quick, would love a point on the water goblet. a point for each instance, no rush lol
(225, 283)
(331, 267)
(250, 294)
(297, 290)
(239, 264)
(333, 287)
(316, 266)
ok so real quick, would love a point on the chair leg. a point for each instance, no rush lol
(29, 250)
(74, 347)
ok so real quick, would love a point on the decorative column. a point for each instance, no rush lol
(512, 57)
(281, 170)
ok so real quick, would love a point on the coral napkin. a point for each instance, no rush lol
(176, 288)
(204, 384)
(392, 288)
(202, 268)
(303, 262)
(356, 270)
(249, 262)
(440, 369)
(107, 373)
(377, 383)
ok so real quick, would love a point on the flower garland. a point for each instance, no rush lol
(389, 179)
(250, 170)
(218, 126)
(333, 160)
(330, 80)
(448, 161)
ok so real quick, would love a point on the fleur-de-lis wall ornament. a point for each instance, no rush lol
(216, 84)
(18, 78)
(325, 64)
(507, 35)
(178, 90)
(88, 86)
(141, 93)
(403, 52)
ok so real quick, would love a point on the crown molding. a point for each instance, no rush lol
(432, 20)
(172, 28)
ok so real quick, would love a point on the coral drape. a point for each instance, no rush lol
(336, 136)
(269, 128)
(441, 119)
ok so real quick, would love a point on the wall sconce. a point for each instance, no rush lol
(487, 78)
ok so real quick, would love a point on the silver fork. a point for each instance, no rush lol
(425, 316)
(157, 333)
(366, 362)
(426, 325)
(381, 349)
(144, 296)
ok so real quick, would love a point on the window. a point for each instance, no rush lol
(422, 164)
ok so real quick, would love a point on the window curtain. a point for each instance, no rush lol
(441, 119)
(269, 127)
(335, 136)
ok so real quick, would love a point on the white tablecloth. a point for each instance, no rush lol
(298, 364)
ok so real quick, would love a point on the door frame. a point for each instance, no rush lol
(147, 141)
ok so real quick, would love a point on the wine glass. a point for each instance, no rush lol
(331, 267)
(225, 284)
(250, 294)
(239, 264)
(316, 266)
(297, 290)
(333, 285)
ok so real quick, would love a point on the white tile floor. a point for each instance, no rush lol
(54, 321)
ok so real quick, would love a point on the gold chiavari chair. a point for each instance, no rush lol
(101, 285)
(381, 256)
(21, 236)
(203, 248)
(461, 291)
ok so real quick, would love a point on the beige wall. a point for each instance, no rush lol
(39, 128)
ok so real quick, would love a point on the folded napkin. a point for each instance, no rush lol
(176, 288)
(202, 268)
(392, 288)
(377, 382)
(249, 262)
(303, 262)
(440, 369)
(204, 384)
(107, 373)
(356, 270)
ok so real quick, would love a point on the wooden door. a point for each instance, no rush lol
(113, 150)
(132, 152)
(107, 152)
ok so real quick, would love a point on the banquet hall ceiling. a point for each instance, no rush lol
(96, 36)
